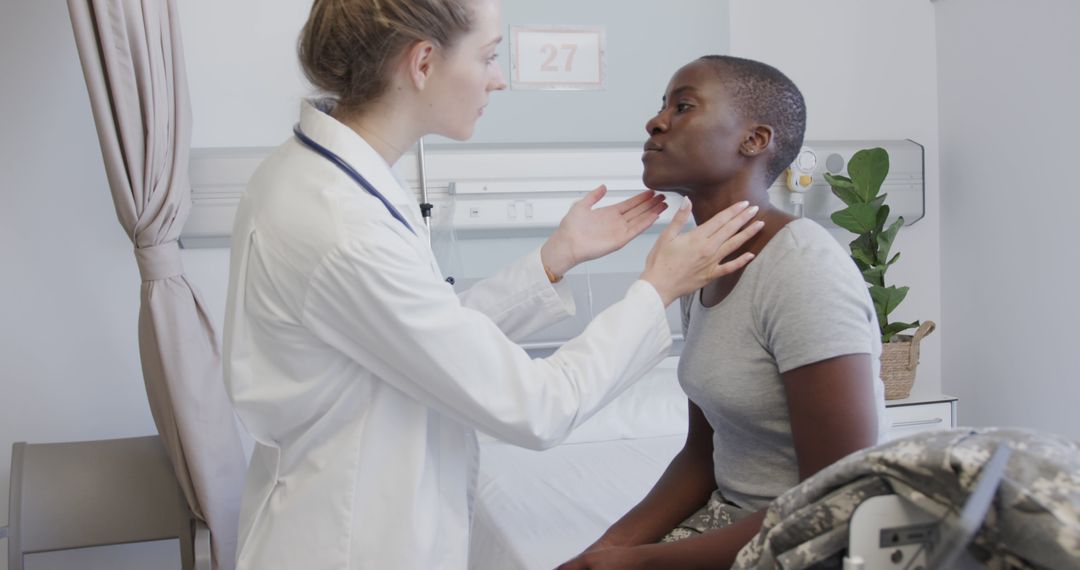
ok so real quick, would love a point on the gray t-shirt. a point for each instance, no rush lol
(800, 302)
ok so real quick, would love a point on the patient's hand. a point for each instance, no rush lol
(619, 557)
(587, 233)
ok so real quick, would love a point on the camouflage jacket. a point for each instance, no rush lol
(1034, 521)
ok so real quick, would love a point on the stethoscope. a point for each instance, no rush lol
(352, 173)
(360, 180)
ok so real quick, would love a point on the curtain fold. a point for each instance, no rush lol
(133, 62)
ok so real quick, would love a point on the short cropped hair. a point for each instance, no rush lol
(346, 46)
(761, 93)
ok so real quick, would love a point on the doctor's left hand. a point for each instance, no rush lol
(587, 233)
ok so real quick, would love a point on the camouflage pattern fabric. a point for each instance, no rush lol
(1034, 521)
(717, 513)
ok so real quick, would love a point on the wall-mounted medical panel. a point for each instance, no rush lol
(905, 183)
(510, 189)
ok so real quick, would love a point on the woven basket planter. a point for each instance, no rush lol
(899, 359)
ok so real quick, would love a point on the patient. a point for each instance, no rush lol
(781, 359)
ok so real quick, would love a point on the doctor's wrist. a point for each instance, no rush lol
(552, 276)
(662, 288)
(557, 259)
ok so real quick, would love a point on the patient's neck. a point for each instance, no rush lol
(708, 202)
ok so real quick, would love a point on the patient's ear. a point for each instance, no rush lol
(757, 140)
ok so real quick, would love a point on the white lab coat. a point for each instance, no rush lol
(362, 376)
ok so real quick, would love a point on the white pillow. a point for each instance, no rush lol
(654, 406)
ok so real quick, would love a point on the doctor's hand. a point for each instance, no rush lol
(682, 263)
(587, 233)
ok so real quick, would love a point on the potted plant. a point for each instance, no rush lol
(865, 215)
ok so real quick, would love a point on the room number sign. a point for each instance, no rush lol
(557, 58)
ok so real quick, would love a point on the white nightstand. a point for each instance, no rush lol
(919, 412)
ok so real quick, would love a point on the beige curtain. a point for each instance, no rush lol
(133, 61)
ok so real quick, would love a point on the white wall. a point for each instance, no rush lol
(70, 289)
(867, 71)
(1009, 88)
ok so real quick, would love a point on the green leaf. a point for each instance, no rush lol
(875, 275)
(894, 259)
(882, 215)
(892, 329)
(886, 238)
(865, 243)
(844, 189)
(898, 327)
(857, 218)
(862, 260)
(862, 251)
(868, 169)
(886, 299)
(838, 180)
(848, 196)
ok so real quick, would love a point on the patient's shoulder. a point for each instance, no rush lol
(805, 234)
(806, 258)
(803, 244)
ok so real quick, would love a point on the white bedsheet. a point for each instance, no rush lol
(537, 509)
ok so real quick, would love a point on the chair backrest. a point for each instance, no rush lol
(94, 493)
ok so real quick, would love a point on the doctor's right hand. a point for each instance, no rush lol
(683, 263)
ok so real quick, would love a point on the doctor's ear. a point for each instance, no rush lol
(757, 140)
(419, 59)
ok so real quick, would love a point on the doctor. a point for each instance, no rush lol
(358, 371)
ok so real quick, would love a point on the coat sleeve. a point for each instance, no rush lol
(519, 299)
(376, 302)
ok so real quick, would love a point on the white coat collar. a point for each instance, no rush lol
(318, 125)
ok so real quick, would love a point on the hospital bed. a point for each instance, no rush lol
(939, 499)
(537, 509)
